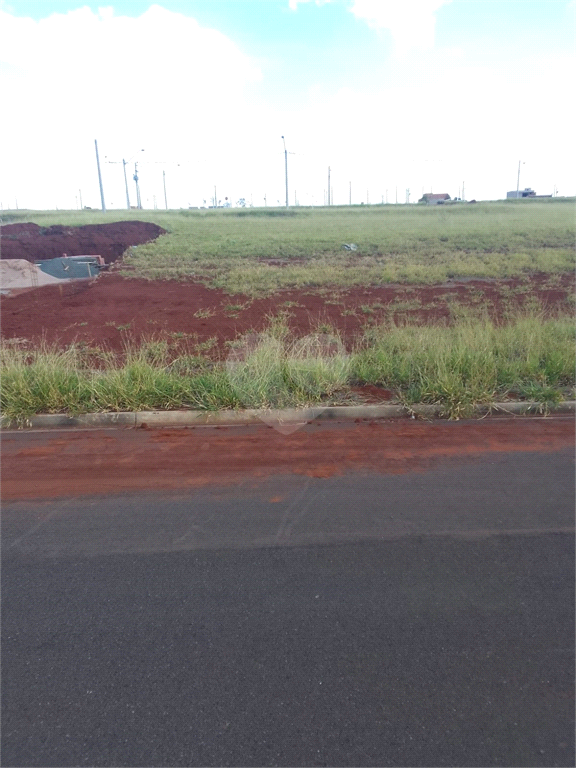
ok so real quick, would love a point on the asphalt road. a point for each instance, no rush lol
(421, 619)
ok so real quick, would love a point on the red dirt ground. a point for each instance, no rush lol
(104, 462)
(113, 461)
(105, 311)
(31, 242)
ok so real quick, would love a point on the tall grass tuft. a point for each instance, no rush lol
(273, 370)
(471, 362)
(53, 380)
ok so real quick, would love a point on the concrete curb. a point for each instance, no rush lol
(293, 416)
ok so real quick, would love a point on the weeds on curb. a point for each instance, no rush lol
(472, 361)
(454, 366)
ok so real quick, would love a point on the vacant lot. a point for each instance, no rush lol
(258, 251)
(454, 305)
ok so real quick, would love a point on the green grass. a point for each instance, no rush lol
(409, 244)
(51, 380)
(472, 361)
(274, 370)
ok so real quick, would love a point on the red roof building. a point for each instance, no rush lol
(434, 199)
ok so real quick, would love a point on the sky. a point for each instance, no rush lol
(395, 97)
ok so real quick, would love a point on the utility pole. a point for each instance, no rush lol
(463, 195)
(286, 169)
(135, 177)
(124, 164)
(350, 194)
(215, 199)
(518, 181)
(80, 194)
(386, 197)
(329, 185)
(99, 178)
(164, 182)
(407, 197)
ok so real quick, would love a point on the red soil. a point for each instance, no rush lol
(44, 464)
(31, 242)
(105, 311)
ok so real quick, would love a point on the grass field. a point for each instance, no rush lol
(395, 243)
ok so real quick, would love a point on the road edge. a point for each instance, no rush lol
(136, 419)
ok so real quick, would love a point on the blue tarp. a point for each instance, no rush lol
(71, 269)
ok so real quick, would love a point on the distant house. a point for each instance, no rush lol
(434, 198)
(520, 193)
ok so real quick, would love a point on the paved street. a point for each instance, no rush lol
(415, 619)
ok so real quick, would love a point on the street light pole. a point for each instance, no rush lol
(286, 169)
(124, 164)
(99, 178)
(518, 181)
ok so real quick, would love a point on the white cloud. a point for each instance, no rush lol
(411, 22)
(293, 4)
(190, 95)
(159, 81)
(100, 50)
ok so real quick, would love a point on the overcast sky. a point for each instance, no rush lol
(391, 94)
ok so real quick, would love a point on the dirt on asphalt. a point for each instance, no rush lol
(105, 312)
(57, 464)
(34, 243)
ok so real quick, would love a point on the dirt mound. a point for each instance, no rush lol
(107, 310)
(33, 243)
(19, 273)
